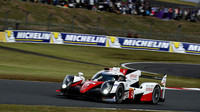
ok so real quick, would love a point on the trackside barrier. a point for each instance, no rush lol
(100, 40)
(2, 36)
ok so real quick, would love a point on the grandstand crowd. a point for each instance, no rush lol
(132, 7)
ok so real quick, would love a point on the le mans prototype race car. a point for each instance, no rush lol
(114, 85)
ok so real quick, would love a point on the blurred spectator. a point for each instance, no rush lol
(135, 36)
(132, 7)
(130, 35)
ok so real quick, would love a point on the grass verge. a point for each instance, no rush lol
(39, 14)
(179, 2)
(46, 62)
(28, 108)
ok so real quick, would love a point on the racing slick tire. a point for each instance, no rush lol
(119, 94)
(156, 94)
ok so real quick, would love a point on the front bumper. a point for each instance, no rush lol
(92, 93)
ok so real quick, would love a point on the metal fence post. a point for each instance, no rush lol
(6, 19)
(72, 27)
(178, 32)
(98, 24)
(27, 13)
(150, 30)
(49, 21)
(123, 26)
(17, 26)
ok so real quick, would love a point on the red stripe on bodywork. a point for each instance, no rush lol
(77, 83)
(58, 90)
(89, 85)
(146, 97)
(123, 71)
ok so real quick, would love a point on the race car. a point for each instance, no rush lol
(114, 85)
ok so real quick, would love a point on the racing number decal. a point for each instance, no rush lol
(131, 93)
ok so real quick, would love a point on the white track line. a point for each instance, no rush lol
(176, 88)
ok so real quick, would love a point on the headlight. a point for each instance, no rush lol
(64, 86)
(67, 81)
(106, 88)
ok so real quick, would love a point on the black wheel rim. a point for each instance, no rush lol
(156, 95)
(120, 93)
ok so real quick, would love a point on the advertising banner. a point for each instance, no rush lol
(100, 40)
(153, 45)
(82, 39)
(27, 36)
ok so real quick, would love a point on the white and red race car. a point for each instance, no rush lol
(114, 85)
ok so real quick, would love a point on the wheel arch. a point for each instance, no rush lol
(148, 88)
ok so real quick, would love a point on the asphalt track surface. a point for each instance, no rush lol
(43, 93)
(187, 70)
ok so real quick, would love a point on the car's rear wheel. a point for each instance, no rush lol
(156, 94)
(119, 94)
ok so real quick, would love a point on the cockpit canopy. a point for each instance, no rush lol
(106, 76)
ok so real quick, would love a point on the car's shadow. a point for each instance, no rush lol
(95, 100)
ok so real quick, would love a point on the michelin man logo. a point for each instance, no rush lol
(113, 42)
(56, 38)
(176, 47)
(9, 36)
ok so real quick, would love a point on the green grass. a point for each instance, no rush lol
(26, 66)
(179, 2)
(27, 108)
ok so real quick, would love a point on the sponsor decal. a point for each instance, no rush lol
(33, 35)
(116, 85)
(133, 76)
(56, 38)
(108, 99)
(149, 87)
(84, 39)
(9, 36)
(145, 44)
(113, 42)
(177, 47)
(193, 48)
(98, 40)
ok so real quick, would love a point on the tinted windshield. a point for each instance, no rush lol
(104, 77)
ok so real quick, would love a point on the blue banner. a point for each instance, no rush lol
(82, 39)
(153, 45)
(98, 40)
(27, 36)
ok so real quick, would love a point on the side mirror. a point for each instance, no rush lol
(80, 73)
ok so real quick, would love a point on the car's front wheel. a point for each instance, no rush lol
(119, 94)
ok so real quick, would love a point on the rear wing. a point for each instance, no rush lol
(163, 79)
